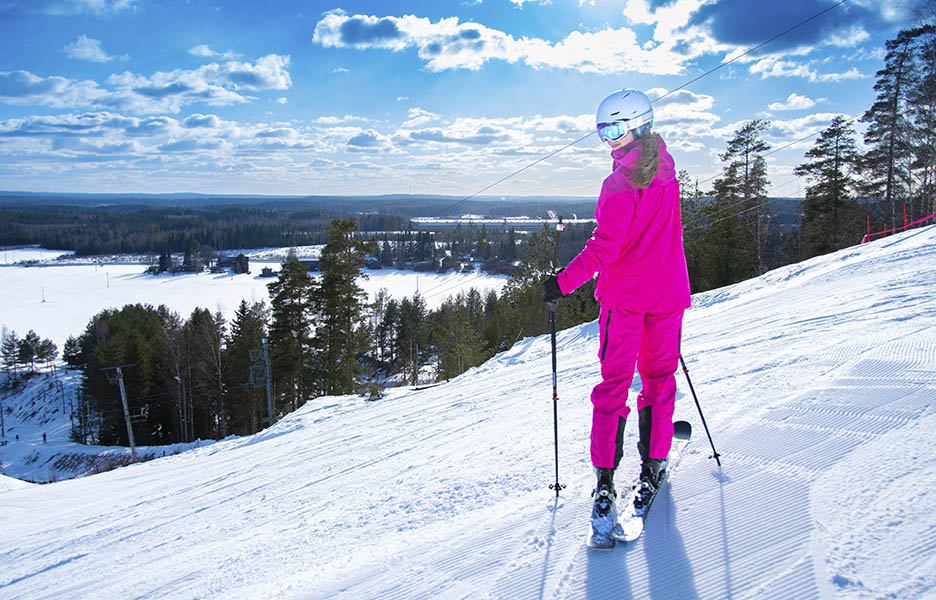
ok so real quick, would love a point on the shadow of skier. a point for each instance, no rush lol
(607, 573)
(668, 566)
(665, 571)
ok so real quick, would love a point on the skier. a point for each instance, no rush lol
(643, 289)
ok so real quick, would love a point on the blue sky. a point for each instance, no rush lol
(284, 97)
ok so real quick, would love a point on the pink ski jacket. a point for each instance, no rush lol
(637, 247)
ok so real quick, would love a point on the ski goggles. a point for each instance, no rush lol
(610, 132)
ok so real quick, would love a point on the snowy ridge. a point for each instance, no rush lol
(817, 381)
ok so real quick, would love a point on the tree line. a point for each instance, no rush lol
(201, 377)
(731, 231)
(127, 229)
(22, 354)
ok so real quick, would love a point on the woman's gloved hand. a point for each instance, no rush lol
(551, 291)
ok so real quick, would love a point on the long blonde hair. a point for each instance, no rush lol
(647, 163)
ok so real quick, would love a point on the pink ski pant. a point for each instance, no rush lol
(651, 342)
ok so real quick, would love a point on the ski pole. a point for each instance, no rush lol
(552, 325)
(715, 453)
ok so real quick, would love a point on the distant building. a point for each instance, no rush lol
(267, 272)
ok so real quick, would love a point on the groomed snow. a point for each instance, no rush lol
(818, 382)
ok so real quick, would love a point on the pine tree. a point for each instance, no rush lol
(71, 353)
(889, 130)
(829, 215)
(10, 352)
(745, 180)
(727, 232)
(458, 343)
(28, 349)
(922, 108)
(338, 302)
(411, 340)
(385, 336)
(47, 352)
(204, 336)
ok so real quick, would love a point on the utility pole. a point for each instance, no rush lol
(269, 382)
(126, 409)
(222, 417)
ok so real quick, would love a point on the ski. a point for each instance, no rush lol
(630, 524)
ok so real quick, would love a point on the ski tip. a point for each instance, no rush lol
(682, 430)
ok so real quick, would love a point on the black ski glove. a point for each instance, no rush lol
(551, 291)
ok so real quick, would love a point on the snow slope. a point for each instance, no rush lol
(818, 383)
(37, 425)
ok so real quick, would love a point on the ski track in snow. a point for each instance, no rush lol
(818, 382)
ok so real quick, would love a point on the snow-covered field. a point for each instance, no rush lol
(58, 299)
(819, 385)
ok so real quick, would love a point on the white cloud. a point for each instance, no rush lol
(793, 129)
(85, 48)
(69, 7)
(418, 117)
(775, 67)
(206, 51)
(340, 70)
(848, 38)
(282, 100)
(449, 44)
(202, 50)
(793, 102)
(215, 84)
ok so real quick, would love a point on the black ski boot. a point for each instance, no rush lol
(652, 470)
(604, 510)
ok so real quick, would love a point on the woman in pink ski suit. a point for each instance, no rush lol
(643, 288)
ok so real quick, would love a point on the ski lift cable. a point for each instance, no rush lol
(674, 90)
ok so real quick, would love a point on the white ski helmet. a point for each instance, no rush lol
(631, 108)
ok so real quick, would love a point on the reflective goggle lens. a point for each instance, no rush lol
(612, 131)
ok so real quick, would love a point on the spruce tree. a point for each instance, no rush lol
(245, 404)
(290, 299)
(133, 335)
(339, 302)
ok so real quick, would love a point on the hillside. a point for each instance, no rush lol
(818, 383)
